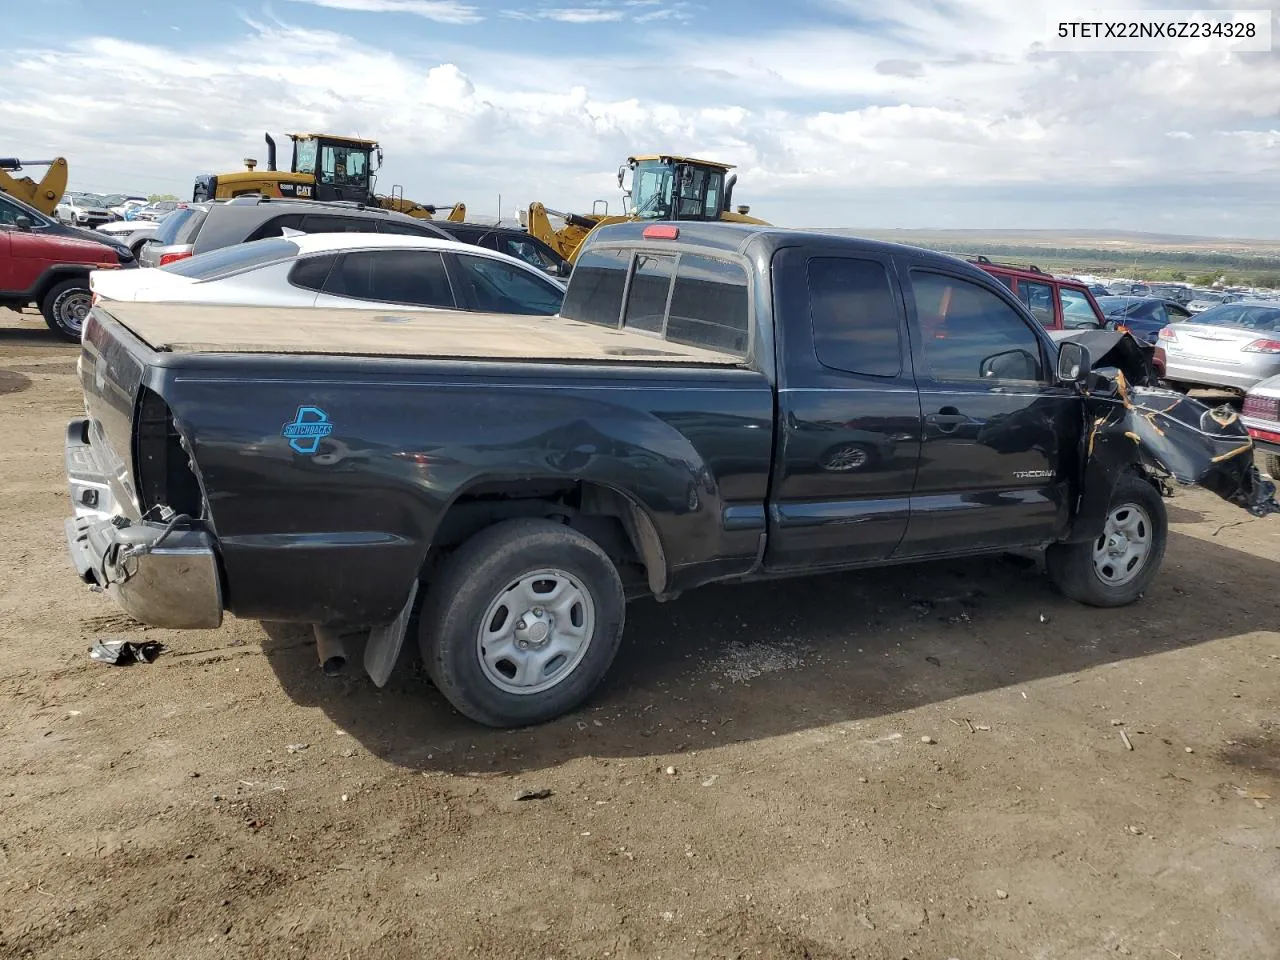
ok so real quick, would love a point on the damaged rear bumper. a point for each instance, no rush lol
(161, 574)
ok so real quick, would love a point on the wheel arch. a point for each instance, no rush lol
(609, 515)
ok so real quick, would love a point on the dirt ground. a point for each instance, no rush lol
(753, 781)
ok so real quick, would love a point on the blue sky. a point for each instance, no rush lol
(923, 113)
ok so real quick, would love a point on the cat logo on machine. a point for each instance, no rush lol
(304, 190)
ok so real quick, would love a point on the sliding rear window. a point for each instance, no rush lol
(685, 298)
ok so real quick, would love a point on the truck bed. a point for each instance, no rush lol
(434, 334)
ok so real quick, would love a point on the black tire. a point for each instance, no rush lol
(65, 306)
(1071, 565)
(479, 574)
(1271, 465)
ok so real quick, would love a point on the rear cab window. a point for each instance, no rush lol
(686, 298)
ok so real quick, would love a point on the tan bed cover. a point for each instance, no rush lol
(202, 328)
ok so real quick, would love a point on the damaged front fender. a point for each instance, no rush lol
(1133, 425)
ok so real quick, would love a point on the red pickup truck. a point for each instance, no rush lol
(46, 263)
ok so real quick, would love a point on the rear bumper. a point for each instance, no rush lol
(1240, 377)
(1265, 434)
(160, 574)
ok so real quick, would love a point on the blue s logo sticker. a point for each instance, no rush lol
(305, 431)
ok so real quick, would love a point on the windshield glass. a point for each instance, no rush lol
(90, 200)
(1241, 316)
(242, 256)
(304, 152)
(1207, 297)
(663, 191)
(344, 166)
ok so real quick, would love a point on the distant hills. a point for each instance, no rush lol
(1112, 241)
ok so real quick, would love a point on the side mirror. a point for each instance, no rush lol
(22, 223)
(1073, 362)
(1010, 365)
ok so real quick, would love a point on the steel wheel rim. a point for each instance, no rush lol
(535, 632)
(73, 308)
(1121, 553)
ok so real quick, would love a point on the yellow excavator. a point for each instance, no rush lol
(324, 167)
(46, 194)
(663, 187)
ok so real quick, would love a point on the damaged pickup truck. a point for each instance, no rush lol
(716, 403)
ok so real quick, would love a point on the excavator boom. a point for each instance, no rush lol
(46, 194)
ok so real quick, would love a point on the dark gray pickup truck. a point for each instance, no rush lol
(715, 403)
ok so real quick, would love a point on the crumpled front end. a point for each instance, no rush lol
(1171, 437)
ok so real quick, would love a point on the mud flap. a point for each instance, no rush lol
(383, 649)
(1167, 436)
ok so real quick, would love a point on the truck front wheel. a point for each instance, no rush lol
(1114, 569)
(522, 622)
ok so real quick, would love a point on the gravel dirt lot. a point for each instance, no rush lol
(753, 781)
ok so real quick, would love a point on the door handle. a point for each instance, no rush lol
(946, 419)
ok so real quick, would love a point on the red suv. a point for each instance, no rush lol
(45, 263)
(1057, 304)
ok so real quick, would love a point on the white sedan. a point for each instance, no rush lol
(132, 233)
(355, 270)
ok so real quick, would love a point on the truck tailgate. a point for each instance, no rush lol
(435, 334)
(112, 366)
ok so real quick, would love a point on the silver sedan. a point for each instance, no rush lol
(1231, 346)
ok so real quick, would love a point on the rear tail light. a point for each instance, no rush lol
(173, 257)
(1261, 408)
(1262, 346)
(1168, 333)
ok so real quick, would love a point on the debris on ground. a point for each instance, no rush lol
(740, 662)
(927, 739)
(537, 793)
(1128, 744)
(121, 653)
(296, 747)
(1002, 894)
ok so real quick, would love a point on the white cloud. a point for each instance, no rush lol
(441, 11)
(582, 15)
(843, 126)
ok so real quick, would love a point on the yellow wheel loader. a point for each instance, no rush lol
(662, 187)
(46, 194)
(324, 167)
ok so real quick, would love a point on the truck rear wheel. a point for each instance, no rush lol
(65, 306)
(522, 623)
(1271, 465)
(1117, 567)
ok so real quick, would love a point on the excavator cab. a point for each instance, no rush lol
(676, 188)
(343, 167)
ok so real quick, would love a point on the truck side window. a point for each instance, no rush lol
(709, 306)
(650, 286)
(595, 296)
(971, 335)
(854, 316)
